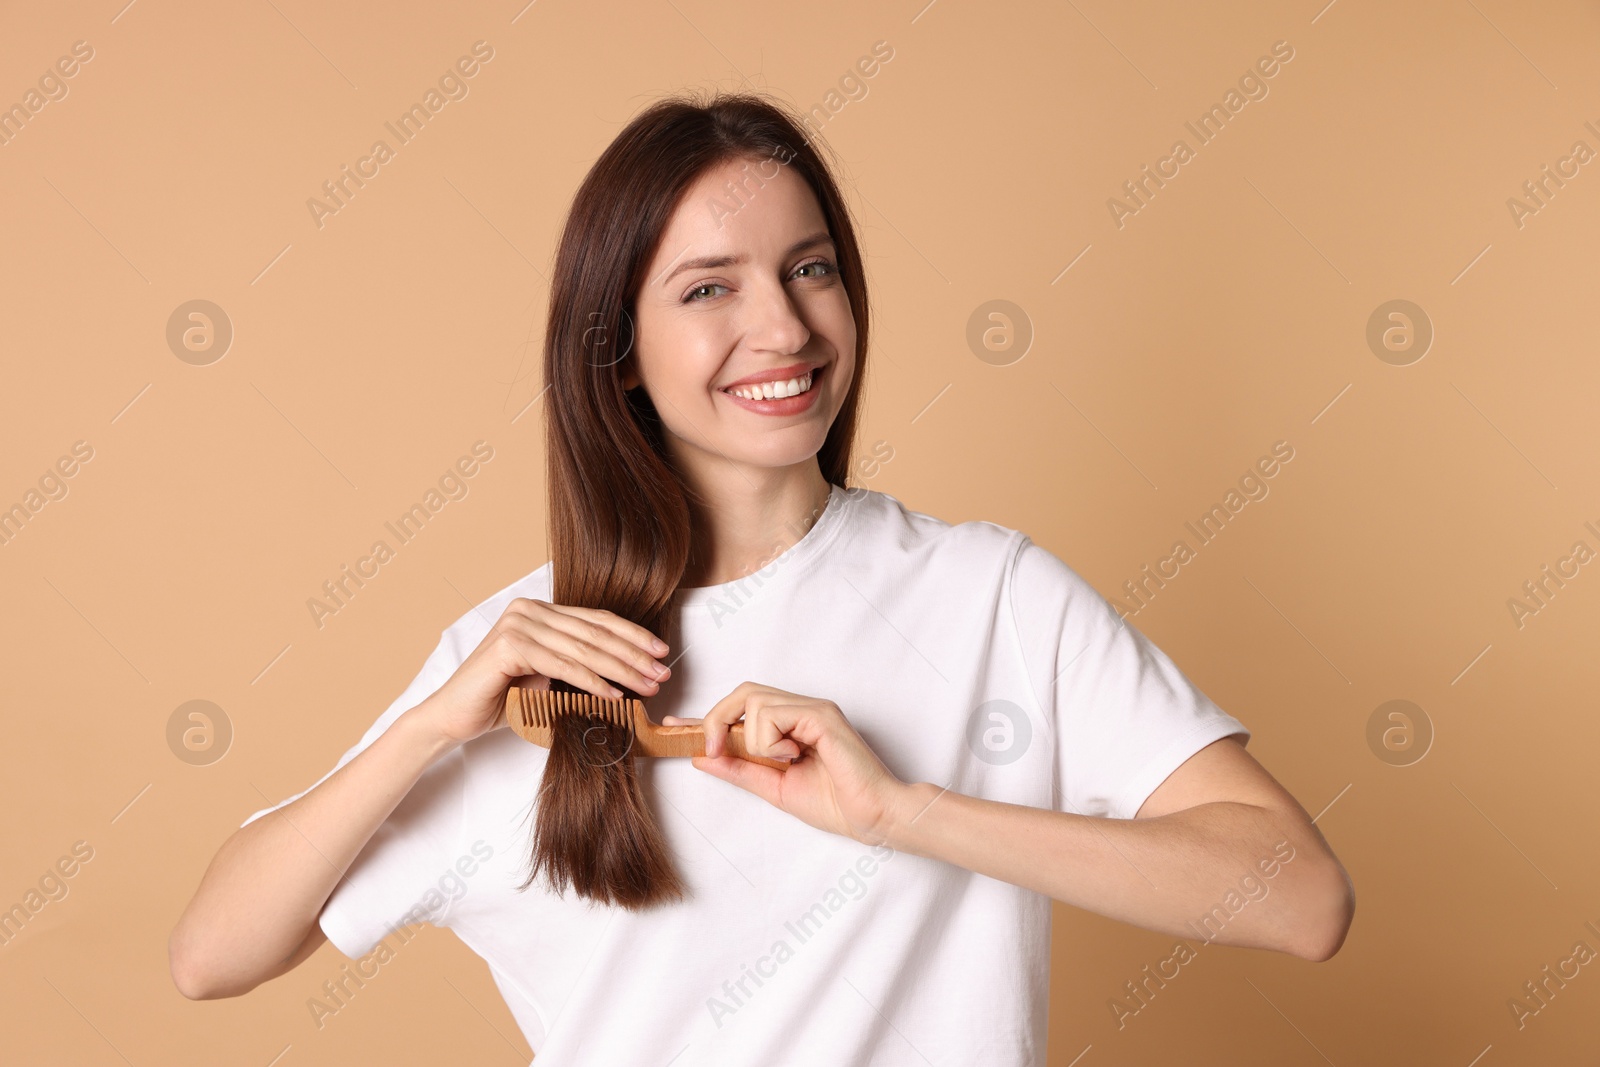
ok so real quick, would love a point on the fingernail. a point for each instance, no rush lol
(659, 647)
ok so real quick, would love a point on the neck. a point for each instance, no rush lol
(739, 525)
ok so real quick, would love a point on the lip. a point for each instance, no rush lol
(789, 405)
(781, 374)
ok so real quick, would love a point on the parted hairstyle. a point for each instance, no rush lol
(619, 510)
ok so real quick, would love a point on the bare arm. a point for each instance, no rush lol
(254, 915)
(1219, 853)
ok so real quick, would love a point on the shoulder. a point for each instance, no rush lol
(979, 566)
(1034, 580)
(1043, 588)
(892, 528)
(1037, 570)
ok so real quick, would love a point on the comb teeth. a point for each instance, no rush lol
(539, 709)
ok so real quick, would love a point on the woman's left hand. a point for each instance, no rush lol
(836, 783)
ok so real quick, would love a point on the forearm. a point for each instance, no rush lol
(1201, 873)
(268, 882)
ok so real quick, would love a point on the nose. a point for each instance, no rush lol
(775, 324)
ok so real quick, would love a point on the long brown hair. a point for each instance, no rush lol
(619, 512)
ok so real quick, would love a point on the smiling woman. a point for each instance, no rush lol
(742, 342)
(948, 708)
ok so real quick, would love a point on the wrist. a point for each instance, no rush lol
(420, 726)
(902, 827)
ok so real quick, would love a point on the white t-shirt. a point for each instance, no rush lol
(965, 655)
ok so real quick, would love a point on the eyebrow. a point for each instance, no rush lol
(707, 262)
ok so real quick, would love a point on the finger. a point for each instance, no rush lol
(608, 654)
(605, 631)
(646, 641)
(767, 728)
(764, 735)
(724, 713)
(758, 737)
(530, 655)
(797, 725)
(597, 648)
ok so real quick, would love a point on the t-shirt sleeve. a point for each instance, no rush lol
(405, 873)
(1121, 715)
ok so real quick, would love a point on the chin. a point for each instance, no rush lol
(780, 450)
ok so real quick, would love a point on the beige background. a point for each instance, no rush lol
(1229, 313)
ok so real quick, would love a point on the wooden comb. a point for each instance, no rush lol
(530, 712)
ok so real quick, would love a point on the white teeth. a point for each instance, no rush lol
(773, 390)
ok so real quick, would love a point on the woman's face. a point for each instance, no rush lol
(736, 293)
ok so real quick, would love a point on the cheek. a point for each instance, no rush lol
(662, 347)
(842, 380)
(841, 327)
(683, 364)
(843, 338)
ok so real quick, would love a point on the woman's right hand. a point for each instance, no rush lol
(533, 642)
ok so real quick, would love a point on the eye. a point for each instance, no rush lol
(829, 268)
(692, 297)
